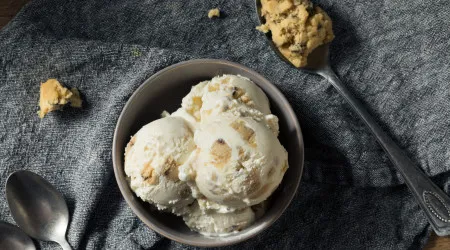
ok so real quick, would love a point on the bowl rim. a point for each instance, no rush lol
(122, 185)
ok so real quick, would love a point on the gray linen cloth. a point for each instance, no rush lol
(394, 56)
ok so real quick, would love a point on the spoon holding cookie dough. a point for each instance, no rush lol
(300, 34)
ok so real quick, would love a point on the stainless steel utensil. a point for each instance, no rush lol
(37, 207)
(431, 198)
(11, 237)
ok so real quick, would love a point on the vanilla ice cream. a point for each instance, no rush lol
(229, 92)
(212, 223)
(240, 162)
(152, 158)
(226, 95)
(214, 161)
(188, 117)
(192, 102)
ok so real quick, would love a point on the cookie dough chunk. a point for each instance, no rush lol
(297, 27)
(214, 13)
(53, 96)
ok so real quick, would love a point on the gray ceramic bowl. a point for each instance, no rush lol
(164, 91)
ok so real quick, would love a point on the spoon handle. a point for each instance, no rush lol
(431, 198)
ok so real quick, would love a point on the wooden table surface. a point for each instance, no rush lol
(9, 8)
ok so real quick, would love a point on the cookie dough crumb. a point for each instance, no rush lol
(214, 13)
(263, 28)
(53, 96)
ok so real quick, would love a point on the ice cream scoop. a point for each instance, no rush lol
(231, 95)
(226, 93)
(152, 159)
(212, 223)
(239, 161)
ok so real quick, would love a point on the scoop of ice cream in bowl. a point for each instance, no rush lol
(208, 153)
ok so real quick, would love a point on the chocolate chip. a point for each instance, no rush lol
(235, 91)
(221, 141)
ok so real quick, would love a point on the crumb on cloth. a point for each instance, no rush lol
(214, 13)
(53, 96)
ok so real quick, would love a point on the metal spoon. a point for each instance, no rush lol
(431, 198)
(37, 207)
(11, 237)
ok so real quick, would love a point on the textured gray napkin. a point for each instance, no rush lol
(393, 55)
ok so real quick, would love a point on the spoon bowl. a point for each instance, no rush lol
(37, 207)
(11, 237)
